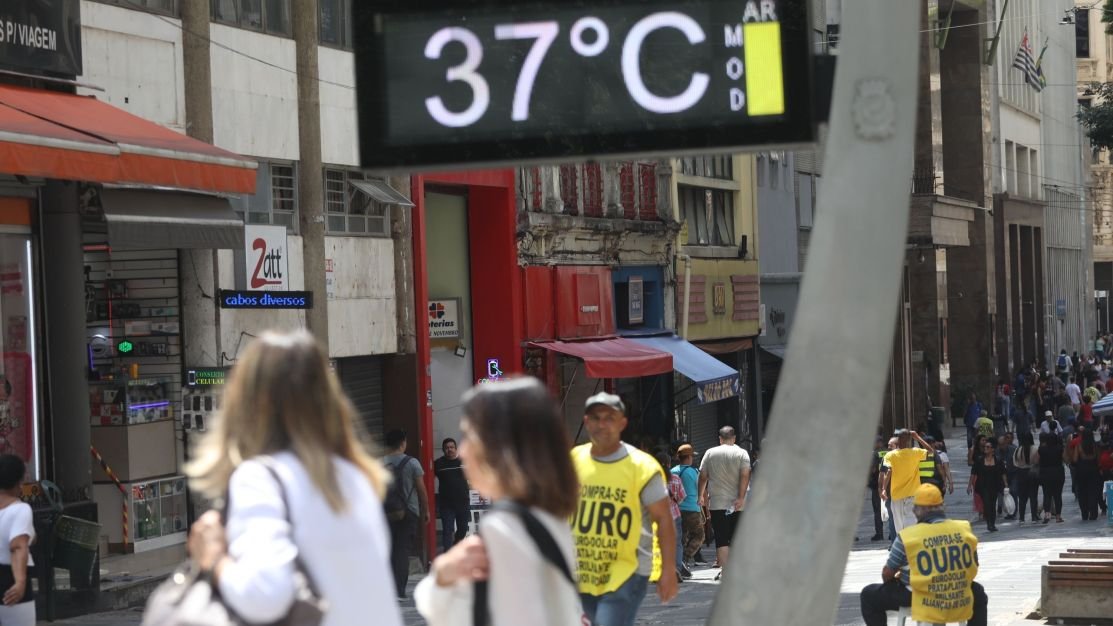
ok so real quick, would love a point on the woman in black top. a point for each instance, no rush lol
(1087, 485)
(1052, 476)
(988, 477)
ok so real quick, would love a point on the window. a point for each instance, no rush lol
(270, 16)
(709, 214)
(167, 7)
(774, 171)
(335, 22)
(1082, 33)
(276, 198)
(349, 210)
(760, 170)
(710, 166)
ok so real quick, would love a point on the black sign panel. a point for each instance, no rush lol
(41, 36)
(443, 82)
(239, 299)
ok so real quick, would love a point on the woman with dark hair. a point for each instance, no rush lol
(1052, 476)
(1087, 477)
(515, 452)
(1026, 459)
(16, 527)
(988, 478)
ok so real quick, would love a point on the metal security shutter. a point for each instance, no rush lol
(703, 425)
(362, 379)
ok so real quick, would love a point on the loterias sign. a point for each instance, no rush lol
(236, 299)
(443, 82)
(41, 36)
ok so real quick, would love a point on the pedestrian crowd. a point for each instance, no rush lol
(311, 529)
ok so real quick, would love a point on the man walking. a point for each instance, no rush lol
(723, 481)
(1074, 392)
(622, 495)
(940, 588)
(691, 513)
(903, 478)
(406, 503)
(453, 497)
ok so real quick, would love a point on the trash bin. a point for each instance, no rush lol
(75, 548)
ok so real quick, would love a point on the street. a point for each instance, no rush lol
(1010, 567)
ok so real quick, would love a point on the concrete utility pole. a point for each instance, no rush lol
(197, 74)
(311, 201)
(799, 524)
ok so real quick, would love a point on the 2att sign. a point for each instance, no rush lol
(266, 257)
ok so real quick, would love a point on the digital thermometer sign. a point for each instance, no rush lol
(445, 82)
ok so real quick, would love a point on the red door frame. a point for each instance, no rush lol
(499, 332)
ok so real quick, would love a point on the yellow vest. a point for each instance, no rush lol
(607, 526)
(942, 562)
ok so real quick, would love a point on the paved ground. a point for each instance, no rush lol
(1010, 569)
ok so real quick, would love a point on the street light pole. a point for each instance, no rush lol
(800, 522)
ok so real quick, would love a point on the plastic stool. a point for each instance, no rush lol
(906, 612)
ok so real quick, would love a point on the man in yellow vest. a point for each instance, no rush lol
(623, 494)
(931, 568)
(903, 478)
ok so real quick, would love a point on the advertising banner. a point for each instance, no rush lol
(41, 36)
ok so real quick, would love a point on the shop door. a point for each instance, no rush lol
(362, 379)
(703, 425)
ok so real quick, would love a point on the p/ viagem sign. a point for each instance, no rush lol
(444, 318)
(442, 82)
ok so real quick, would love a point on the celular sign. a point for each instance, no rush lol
(442, 82)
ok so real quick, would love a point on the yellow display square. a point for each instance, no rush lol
(765, 94)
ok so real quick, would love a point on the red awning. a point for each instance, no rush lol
(47, 134)
(614, 358)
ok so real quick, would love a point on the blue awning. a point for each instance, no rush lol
(714, 379)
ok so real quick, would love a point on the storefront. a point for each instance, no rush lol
(19, 366)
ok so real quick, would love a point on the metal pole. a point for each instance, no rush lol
(799, 524)
(687, 295)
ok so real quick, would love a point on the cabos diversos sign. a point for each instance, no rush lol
(236, 299)
(41, 36)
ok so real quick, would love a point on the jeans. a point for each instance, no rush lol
(401, 540)
(1029, 491)
(454, 525)
(619, 607)
(877, 599)
(679, 526)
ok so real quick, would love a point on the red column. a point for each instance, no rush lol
(424, 384)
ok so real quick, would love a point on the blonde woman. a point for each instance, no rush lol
(283, 403)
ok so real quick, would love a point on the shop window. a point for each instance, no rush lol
(275, 200)
(335, 22)
(349, 210)
(269, 16)
(166, 7)
(18, 361)
(709, 214)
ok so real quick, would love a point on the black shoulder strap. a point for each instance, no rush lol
(545, 543)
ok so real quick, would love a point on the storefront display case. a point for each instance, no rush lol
(157, 513)
(127, 402)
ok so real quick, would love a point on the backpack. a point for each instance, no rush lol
(394, 504)
(1061, 362)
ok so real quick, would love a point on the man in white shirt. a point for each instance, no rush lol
(1050, 424)
(724, 477)
(1075, 394)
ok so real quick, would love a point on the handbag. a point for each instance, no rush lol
(189, 597)
(1008, 503)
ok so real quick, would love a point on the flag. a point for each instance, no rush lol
(1039, 66)
(1024, 63)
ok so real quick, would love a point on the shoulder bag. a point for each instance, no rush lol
(189, 597)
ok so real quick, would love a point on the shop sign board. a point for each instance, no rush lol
(635, 300)
(444, 318)
(41, 37)
(246, 299)
(266, 255)
(442, 82)
(205, 376)
(715, 390)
